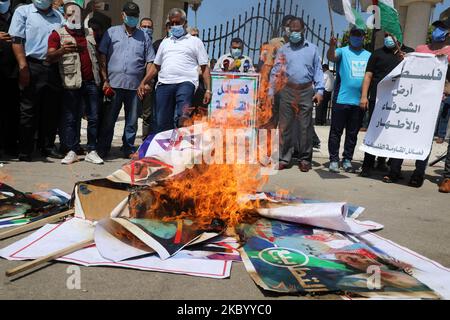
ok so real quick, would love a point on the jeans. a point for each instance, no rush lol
(72, 113)
(129, 99)
(346, 117)
(173, 104)
(443, 121)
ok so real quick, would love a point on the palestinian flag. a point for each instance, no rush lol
(345, 8)
(390, 20)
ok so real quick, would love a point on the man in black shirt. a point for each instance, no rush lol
(380, 64)
(9, 113)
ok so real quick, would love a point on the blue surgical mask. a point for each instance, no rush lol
(149, 31)
(439, 35)
(296, 37)
(178, 31)
(389, 42)
(356, 41)
(236, 53)
(130, 21)
(42, 4)
(4, 6)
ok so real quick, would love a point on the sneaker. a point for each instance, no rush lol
(334, 167)
(347, 165)
(94, 158)
(70, 158)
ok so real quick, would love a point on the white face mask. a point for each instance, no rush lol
(73, 13)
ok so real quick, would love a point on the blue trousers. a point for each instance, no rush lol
(129, 99)
(173, 103)
(73, 103)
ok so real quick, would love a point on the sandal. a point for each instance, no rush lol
(392, 178)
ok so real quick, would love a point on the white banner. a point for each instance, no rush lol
(407, 107)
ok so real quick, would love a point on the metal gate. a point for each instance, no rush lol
(259, 25)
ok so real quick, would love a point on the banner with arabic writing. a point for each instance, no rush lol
(234, 99)
(407, 108)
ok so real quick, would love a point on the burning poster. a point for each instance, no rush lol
(290, 258)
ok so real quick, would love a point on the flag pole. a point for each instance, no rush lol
(331, 18)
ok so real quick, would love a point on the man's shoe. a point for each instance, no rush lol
(25, 158)
(348, 167)
(93, 157)
(70, 158)
(445, 186)
(52, 153)
(334, 167)
(282, 166)
(304, 166)
(416, 181)
(365, 173)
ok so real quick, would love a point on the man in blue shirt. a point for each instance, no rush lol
(39, 81)
(297, 69)
(126, 55)
(346, 113)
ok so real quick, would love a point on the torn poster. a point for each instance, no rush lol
(51, 238)
(18, 208)
(289, 258)
(332, 216)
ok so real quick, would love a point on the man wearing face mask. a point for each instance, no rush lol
(74, 48)
(126, 55)
(39, 81)
(146, 25)
(176, 64)
(380, 64)
(9, 114)
(237, 61)
(346, 113)
(299, 63)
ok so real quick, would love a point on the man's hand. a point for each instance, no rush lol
(318, 98)
(333, 42)
(69, 47)
(4, 36)
(143, 90)
(364, 103)
(24, 77)
(207, 97)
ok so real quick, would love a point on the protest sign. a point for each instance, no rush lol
(234, 98)
(407, 107)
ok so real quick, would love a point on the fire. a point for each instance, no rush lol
(207, 193)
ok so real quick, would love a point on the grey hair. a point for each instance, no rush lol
(175, 11)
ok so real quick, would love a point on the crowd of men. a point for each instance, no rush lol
(58, 65)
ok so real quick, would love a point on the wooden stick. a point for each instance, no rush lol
(331, 18)
(36, 224)
(52, 256)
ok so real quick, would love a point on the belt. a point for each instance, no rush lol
(42, 62)
(297, 86)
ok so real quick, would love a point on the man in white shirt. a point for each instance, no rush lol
(176, 64)
(322, 109)
(235, 61)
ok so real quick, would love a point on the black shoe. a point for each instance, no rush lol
(25, 158)
(365, 173)
(416, 181)
(52, 153)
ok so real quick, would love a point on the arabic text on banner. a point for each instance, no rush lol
(407, 107)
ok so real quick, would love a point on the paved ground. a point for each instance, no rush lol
(417, 219)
